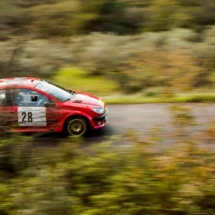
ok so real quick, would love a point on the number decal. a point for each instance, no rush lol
(24, 116)
(29, 118)
(32, 116)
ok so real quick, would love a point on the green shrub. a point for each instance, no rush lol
(111, 178)
(165, 55)
(153, 92)
(15, 155)
(202, 98)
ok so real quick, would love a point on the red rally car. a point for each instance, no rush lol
(35, 105)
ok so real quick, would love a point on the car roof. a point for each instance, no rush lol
(19, 82)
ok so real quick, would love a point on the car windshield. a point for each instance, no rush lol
(54, 90)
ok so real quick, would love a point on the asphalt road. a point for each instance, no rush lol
(142, 117)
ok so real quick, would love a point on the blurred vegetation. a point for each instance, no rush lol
(157, 48)
(50, 18)
(109, 178)
(137, 45)
(76, 77)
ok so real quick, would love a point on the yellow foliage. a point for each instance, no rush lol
(175, 70)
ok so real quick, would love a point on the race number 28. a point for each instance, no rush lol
(32, 116)
(27, 116)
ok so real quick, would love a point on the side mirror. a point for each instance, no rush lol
(49, 104)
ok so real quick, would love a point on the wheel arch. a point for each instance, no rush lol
(76, 115)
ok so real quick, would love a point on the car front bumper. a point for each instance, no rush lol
(100, 121)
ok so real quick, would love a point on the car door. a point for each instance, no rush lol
(6, 113)
(30, 111)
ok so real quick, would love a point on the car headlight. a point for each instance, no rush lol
(101, 102)
(98, 110)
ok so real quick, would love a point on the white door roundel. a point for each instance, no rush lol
(32, 116)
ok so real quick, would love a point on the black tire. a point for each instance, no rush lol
(76, 127)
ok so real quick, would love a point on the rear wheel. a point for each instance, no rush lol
(77, 127)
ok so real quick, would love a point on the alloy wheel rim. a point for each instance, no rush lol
(77, 127)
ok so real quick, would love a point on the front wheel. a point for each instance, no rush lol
(77, 127)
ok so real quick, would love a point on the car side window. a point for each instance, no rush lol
(3, 98)
(25, 97)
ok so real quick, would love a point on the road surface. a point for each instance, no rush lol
(142, 117)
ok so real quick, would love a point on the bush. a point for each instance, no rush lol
(118, 58)
(106, 178)
(153, 92)
(15, 155)
(175, 71)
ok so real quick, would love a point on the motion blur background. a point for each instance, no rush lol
(154, 48)
(118, 49)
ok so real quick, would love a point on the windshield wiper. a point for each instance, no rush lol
(67, 99)
(73, 92)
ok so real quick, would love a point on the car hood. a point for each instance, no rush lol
(87, 99)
